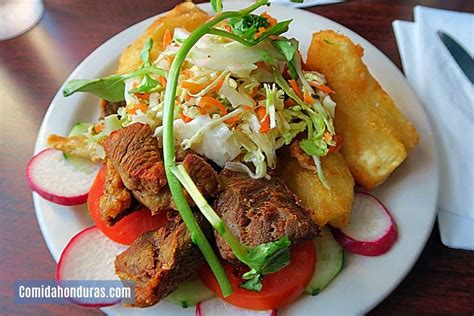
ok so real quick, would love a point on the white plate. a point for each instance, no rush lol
(410, 193)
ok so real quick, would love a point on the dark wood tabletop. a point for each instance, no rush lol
(35, 64)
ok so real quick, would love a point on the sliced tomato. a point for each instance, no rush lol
(128, 228)
(279, 288)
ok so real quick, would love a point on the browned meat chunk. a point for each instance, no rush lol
(134, 153)
(116, 199)
(203, 175)
(108, 107)
(158, 261)
(260, 211)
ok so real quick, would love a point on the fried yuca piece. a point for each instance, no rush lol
(185, 15)
(377, 137)
(332, 205)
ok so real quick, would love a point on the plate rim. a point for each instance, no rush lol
(39, 143)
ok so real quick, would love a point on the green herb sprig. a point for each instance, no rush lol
(112, 88)
(262, 259)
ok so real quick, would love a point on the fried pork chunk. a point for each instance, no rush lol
(133, 152)
(116, 199)
(259, 211)
(158, 261)
(377, 137)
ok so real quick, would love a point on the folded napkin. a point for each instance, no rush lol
(448, 98)
(288, 3)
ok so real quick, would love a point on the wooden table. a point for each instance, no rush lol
(34, 65)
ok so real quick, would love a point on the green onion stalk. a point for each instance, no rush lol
(176, 189)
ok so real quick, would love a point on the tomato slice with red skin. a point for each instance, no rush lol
(279, 288)
(128, 228)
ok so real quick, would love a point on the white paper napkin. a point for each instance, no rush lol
(448, 98)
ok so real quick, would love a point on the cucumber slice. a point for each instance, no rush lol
(79, 128)
(189, 293)
(329, 262)
(78, 162)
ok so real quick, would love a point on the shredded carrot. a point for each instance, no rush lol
(167, 38)
(261, 30)
(142, 96)
(264, 119)
(322, 87)
(271, 20)
(247, 107)
(308, 98)
(209, 105)
(295, 87)
(99, 127)
(227, 28)
(326, 89)
(232, 120)
(186, 119)
(289, 103)
(339, 141)
(218, 86)
(139, 106)
(187, 97)
(162, 81)
(193, 87)
(253, 92)
(187, 73)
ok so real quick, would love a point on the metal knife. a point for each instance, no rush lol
(460, 55)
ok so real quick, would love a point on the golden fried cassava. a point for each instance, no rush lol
(332, 205)
(377, 137)
(185, 15)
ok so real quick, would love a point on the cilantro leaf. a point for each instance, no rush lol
(109, 88)
(267, 58)
(112, 88)
(265, 259)
(148, 84)
(254, 283)
(288, 48)
(277, 29)
(248, 25)
(145, 53)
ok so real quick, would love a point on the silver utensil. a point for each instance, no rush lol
(460, 55)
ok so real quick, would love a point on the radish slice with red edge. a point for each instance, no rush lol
(372, 230)
(89, 256)
(218, 307)
(57, 180)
